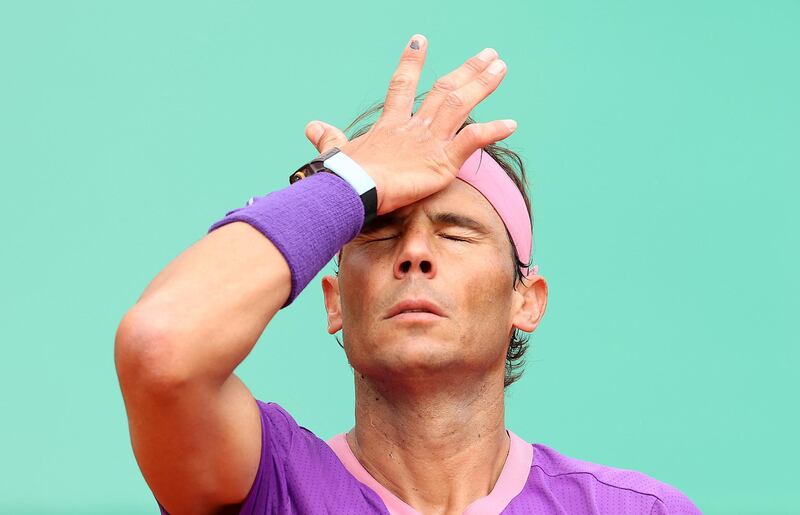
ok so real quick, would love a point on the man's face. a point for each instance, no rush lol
(450, 249)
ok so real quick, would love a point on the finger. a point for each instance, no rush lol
(454, 80)
(457, 104)
(324, 136)
(475, 136)
(403, 85)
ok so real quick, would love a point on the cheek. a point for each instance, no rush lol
(358, 288)
(486, 302)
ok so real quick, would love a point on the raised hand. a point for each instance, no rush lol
(412, 157)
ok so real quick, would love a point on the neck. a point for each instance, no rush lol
(436, 448)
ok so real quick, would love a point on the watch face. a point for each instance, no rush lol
(312, 166)
(301, 173)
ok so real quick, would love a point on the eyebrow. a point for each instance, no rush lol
(442, 218)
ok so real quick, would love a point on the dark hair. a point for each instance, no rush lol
(512, 164)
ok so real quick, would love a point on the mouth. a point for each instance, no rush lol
(415, 309)
(415, 316)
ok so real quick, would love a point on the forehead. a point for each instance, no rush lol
(459, 198)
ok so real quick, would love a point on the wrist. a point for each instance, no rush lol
(338, 163)
(308, 222)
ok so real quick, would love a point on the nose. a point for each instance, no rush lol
(415, 256)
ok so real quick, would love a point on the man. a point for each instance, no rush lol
(434, 279)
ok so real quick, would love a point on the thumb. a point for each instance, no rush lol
(324, 136)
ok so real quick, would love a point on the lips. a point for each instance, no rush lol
(415, 305)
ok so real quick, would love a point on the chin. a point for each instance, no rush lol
(408, 356)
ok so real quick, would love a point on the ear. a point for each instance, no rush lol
(330, 290)
(530, 301)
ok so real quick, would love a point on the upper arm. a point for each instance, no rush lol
(197, 444)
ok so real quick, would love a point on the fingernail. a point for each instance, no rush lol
(511, 124)
(496, 66)
(487, 54)
(417, 41)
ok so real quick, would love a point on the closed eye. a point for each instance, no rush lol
(446, 236)
(381, 239)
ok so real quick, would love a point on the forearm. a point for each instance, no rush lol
(201, 316)
(203, 313)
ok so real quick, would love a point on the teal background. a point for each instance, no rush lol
(661, 139)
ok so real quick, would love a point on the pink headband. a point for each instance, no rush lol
(484, 174)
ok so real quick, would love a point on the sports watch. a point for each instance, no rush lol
(338, 163)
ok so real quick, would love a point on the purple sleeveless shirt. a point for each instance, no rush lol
(300, 473)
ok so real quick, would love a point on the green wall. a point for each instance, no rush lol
(661, 141)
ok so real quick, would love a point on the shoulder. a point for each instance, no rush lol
(282, 434)
(299, 472)
(295, 447)
(278, 428)
(624, 489)
(276, 414)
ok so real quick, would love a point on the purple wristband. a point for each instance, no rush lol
(308, 222)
